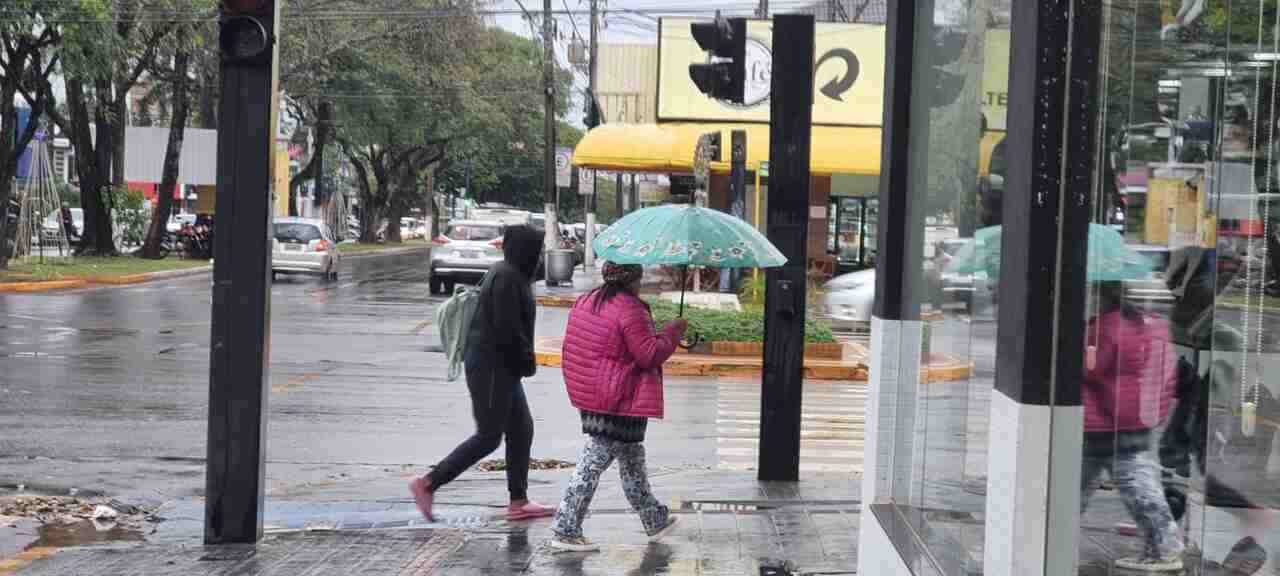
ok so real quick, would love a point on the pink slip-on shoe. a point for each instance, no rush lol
(529, 511)
(423, 496)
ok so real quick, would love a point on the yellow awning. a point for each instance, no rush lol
(668, 148)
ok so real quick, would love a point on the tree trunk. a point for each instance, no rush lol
(393, 225)
(369, 218)
(119, 118)
(93, 165)
(172, 153)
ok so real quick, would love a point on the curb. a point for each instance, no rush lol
(825, 370)
(133, 279)
(127, 280)
(46, 286)
(555, 301)
(949, 370)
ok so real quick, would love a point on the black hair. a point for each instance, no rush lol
(1111, 298)
(602, 295)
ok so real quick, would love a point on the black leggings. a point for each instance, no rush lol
(501, 410)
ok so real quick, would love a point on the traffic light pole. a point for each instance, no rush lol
(589, 251)
(549, 128)
(789, 131)
(240, 343)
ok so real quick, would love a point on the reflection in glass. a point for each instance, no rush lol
(1187, 173)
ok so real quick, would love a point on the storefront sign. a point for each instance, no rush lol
(848, 76)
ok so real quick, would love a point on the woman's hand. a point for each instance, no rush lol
(680, 325)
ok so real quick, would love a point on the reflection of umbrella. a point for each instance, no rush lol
(686, 235)
(1110, 259)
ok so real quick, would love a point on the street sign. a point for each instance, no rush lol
(586, 181)
(564, 166)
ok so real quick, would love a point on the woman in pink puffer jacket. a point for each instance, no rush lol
(612, 363)
(1130, 379)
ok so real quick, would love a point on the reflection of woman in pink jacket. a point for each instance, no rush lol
(1129, 385)
(612, 365)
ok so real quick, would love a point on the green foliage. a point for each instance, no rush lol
(727, 326)
(130, 214)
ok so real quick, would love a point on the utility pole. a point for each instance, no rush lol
(240, 338)
(763, 10)
(589, 251)
(790, 127)
(549, 127)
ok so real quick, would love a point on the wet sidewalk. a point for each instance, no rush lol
(730, 524)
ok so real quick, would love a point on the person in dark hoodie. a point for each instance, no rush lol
(499, 353)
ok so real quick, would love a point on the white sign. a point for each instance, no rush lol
(586, 181)
(564, 166)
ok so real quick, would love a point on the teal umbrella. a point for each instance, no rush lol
(686, 235)
(1110, 258)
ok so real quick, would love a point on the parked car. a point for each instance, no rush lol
(304, 246)
(463, 253)
(177, 221)
(52, 225)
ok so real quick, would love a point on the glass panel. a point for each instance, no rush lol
(957, 119)
(1180, 463)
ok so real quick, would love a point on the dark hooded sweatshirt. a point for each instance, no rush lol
(502, 332)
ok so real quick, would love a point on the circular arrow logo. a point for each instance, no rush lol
(836, 87)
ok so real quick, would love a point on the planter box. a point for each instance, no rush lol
(821, 350)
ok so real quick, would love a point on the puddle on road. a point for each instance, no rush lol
(85, 533)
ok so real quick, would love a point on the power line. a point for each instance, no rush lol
(574, 22)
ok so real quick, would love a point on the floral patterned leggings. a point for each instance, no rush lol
(1137, 477)
(596, 457)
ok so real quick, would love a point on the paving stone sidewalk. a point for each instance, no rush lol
(730, 525)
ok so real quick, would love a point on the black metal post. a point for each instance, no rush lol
(789, 131)
(619, 197)
(737, 187)
(240, 344)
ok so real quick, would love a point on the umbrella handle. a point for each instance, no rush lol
(689, 342)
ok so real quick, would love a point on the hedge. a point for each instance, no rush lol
(729, 326)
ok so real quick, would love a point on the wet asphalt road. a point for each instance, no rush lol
(105, 390)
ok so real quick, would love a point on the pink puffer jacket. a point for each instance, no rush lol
(1133, 383)
(612, 358)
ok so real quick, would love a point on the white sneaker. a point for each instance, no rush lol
(1151, 564)
(671, 523)
(579, 544)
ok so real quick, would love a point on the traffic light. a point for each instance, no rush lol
(723, 76)
(246, 32)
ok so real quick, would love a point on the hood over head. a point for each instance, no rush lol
(521, 248)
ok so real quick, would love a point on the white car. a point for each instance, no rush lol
(304, 246)
(177, 221)
(464, 253)
(850, 299)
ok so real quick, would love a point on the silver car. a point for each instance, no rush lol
(463, 253)
(849, 299)
(304, 246)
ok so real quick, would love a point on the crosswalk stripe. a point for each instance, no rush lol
(832, 424)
